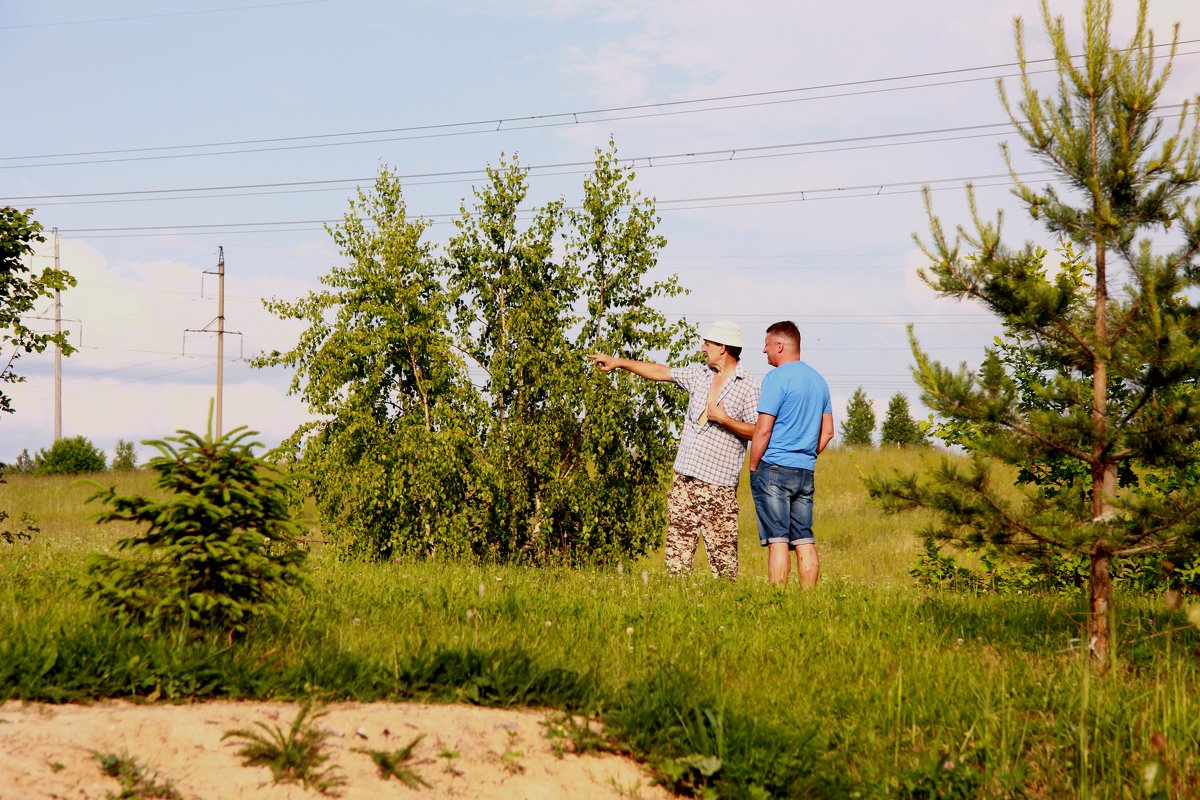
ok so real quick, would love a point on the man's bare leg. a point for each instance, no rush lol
(779, 563)
(807, 565)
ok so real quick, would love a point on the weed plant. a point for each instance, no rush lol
(867, 687)
(394, 764)
(137, 782)
(295, 756)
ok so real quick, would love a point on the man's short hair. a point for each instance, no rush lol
(786, 330)
(736, 352)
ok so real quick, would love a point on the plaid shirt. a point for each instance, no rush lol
(712, 453)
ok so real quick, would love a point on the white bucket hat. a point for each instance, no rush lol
(724, 332)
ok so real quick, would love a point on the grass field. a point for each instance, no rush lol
(866, 687)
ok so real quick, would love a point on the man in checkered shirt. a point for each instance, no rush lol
(722, 409)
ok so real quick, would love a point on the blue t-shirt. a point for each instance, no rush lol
(797, 396)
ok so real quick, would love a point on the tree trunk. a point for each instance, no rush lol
(1100, 583)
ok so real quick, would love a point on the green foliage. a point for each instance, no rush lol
(701, 748)
(23, 464)
(296, 756)
(393, 764)
(12, 535)
(899, 428)
(859, 425)
(1008, 687)
(906, 674)
(124, 457)
(218, 552)
(1054, 572)
(545, 461)
(563, 729)
(72, 455)
(137, 783)
(375, 361)
(20, 290)
(1093, 382)
(23, 533)
(945, 778)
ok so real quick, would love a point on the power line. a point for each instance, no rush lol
(85, 375)
(688, 158)
(667, 205)
(649, 161)
(495, 125)
(145, 379)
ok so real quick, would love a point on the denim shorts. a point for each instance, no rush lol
(783, 501)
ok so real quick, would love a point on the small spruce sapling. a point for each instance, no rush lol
(218, 552)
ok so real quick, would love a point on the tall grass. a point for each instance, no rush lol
(865, 687)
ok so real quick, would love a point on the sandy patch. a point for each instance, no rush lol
(46, 751)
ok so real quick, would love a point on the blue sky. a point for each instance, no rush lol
(795, 196)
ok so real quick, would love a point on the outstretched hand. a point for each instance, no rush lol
(605, 363)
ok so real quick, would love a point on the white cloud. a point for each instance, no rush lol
(143, 369)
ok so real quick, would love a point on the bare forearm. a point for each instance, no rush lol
(759, 439)
(742, 430)
(826, 432)
(645, 369)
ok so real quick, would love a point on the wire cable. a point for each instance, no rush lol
(495, 125)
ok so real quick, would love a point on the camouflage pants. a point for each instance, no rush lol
(696, 509)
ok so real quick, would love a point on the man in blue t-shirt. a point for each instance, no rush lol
(795, 422)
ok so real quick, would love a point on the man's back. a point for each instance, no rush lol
(797, 396)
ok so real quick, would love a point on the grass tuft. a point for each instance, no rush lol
(137, 783)
(394, 764)
(296, 756)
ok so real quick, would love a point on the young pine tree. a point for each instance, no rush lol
(1118, 364)
(899, 428)
(219, 547)
(859, 425)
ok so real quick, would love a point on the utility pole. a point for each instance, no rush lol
(57, 351)
(220, 331)
(220, 320)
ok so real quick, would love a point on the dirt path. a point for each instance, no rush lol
(48, 751)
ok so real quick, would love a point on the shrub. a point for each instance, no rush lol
(70, 456)
(218, 552)
(124, 457)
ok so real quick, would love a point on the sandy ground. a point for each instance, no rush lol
(49, 751)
